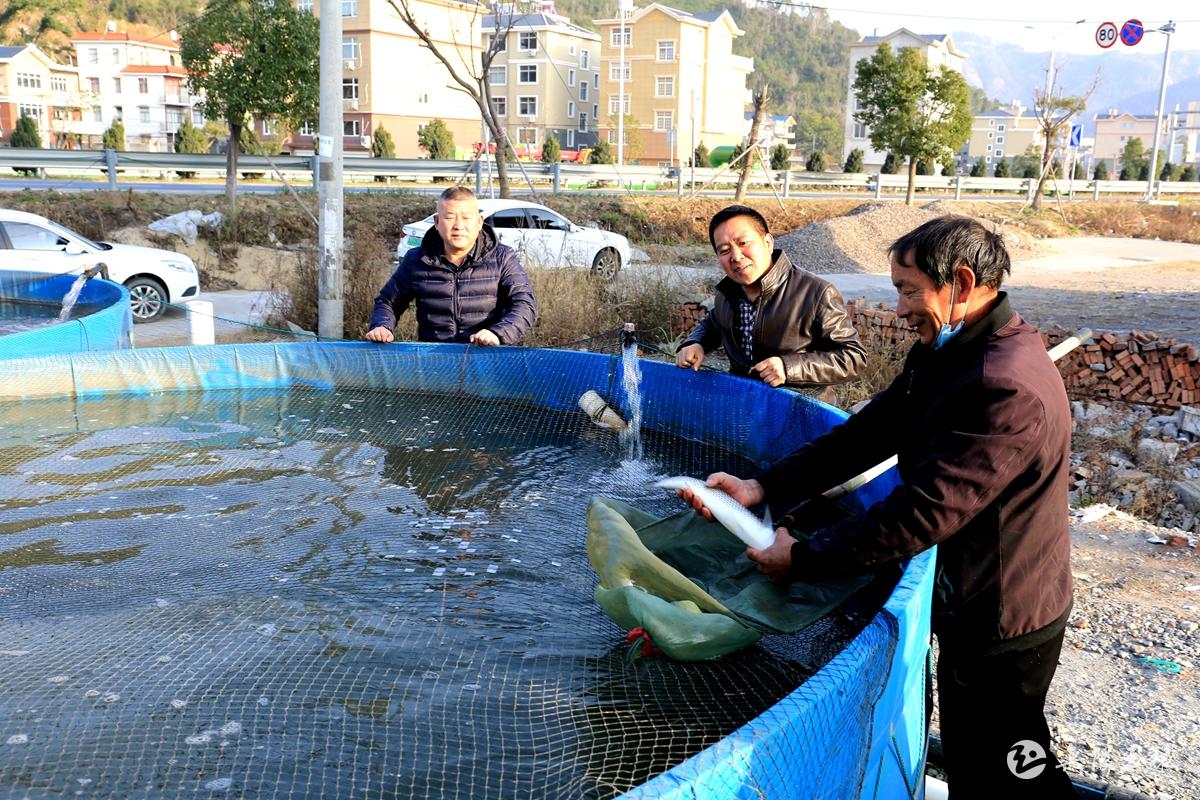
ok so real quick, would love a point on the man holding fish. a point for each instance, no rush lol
(776, 322)
(980, 422)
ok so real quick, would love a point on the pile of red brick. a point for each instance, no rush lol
(1136, 367)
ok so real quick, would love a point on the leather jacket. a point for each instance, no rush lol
(798, 316)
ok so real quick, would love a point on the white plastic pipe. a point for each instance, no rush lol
(200, 322)
(935, 789)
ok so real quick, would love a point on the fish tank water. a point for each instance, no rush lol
(35, 320)
(341, 571)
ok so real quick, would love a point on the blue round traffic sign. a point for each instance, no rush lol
(1131, 32)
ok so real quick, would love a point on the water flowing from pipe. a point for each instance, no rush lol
(69, 299)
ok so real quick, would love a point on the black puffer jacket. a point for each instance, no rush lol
(490, 290)
(799, 317)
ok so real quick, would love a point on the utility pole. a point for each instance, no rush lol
(693, 160)
(329, 176)
(1166, 30)
(623, 7)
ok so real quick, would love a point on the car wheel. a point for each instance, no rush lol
(606, 264)
(147, 299)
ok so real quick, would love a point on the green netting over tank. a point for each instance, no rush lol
(100, 319)
(344, 570)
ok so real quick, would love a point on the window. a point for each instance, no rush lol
(351, 127)
(29, 80)
(174, 118)
(571, 47)
(268, 128)
(583, 121)
(544, 220)
(143, 113)
(527, 40)
(116, 55)
(501, 45)
(198, 117)
(498, 76)
(527, 105)
(571, 138)
(663, 120)
(117, 85)
(664, 86)
(612, 136)
(349, 88)
(308, 128)
(595, 111)
(614, 70)
(860, 131)
(570, 77)
(666, 50)
(991, 123)
(58, 84)
(999, 154)
(585, 59)
(527, 136)
(989, 148)
(596, 80)
(999, 140)
(25, 236)
(305, 5)
(118, 113)
(583, 91)
(93, 55)
(614, 37)
(500, 104)
(143, 86)
(350, 47)
(570, 110)
(30, 110)
(349, 8)
(527, 73)
(97, 114)
(613, 105)
(1000, 127)
(508, 218)
(94, 85)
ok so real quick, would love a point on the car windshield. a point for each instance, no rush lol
(86, 242)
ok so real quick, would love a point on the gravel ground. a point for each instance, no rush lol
(858, 242)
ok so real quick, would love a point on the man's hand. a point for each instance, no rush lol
(690, 356)
(485, 337)
(775, 561)
(748, 492)
(380, 334)
(771, 371)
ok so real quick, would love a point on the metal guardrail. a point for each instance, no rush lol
(559, 176)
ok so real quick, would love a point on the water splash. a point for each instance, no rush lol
(69, 299)
(631, 380)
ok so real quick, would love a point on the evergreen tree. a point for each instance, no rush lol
(948, 170)
(190, 139)
(891, 164)
(979, 168)
(1133, 156)
(854, 161)
(114, 137)
(1168, 172)
(437, 140)
(25, 134)
(602, 153)
(382, 145)
(780, 156)
(1002, 169)
(1079, 173)
(1144, 172)
(924, 168)
(816, 162)
(1188, 174)
(700, 157)
(551, 152)
(1100, 173)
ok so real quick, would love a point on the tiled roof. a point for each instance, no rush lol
(121, 36)
(155, 69)
(9, 51)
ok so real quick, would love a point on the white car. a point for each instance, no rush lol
(154, 277)
(542, 237)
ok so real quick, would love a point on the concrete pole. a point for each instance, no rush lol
(621, 91)
(329, 176)
(1167, 29)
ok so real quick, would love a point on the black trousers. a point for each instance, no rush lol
(994, 735)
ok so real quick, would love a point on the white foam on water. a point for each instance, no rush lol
(58, 679)
(219, 784)
(18, 738)
(178, 704)
(198, 738)
(231, 729)
(111, 697)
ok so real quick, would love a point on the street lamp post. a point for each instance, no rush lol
(1166, 30)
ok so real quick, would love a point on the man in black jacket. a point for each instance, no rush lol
(467, 286)
(776, 321)
(980, 421)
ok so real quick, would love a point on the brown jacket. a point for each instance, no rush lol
(982, 428)
(799, 317)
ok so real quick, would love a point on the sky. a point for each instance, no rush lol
(1034, 25)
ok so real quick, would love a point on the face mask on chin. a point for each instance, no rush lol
(947, 331)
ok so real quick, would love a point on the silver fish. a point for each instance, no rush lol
(729, 512)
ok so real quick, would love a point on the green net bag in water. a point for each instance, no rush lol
(688, 584)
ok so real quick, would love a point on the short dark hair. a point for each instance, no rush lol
(942, 244)
(729, 212)
(456, 193)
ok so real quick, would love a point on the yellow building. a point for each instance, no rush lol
(1001, 134)
(544, 80)
(390, 79)
(683, 85)
(34, 85)
(1113, 132)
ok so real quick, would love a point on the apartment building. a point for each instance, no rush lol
(939, 50)
(34, 85)
(999, 134)
(138, 80)
(1113, 132)
(544, 80)
(683, 84)
(775, 129)
(390, 79)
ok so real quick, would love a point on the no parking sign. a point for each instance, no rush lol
(1131, 32)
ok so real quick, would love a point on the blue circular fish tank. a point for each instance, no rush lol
(31, 323)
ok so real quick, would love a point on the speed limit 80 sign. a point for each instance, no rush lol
(1106, 34)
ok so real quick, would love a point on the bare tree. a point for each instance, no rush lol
(761, 98)
(470, 77)
(1053, 111)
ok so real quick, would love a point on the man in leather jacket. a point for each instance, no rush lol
(777, 322)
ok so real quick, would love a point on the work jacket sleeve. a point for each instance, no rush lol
(835, 356)
(393, 299)
(516, 297)
(989, 438)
